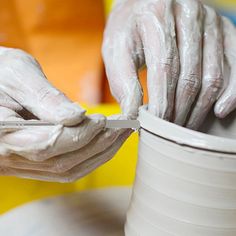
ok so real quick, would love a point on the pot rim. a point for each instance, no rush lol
(183, 136)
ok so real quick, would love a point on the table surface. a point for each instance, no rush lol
(97, 212)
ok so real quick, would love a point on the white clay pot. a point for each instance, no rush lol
(185, 180)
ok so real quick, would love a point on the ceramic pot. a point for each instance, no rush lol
(185, 180)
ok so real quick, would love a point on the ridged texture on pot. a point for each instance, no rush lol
(182, 191)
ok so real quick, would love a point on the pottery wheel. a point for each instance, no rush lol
(90, 213)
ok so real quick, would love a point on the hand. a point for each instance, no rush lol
(65, 152)
(182, 44)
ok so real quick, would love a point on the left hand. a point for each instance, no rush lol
(182, 43)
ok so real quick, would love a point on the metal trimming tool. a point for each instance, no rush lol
(119, 124)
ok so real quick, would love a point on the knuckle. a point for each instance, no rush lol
(170, 70)
(43, 93)
(195, 9)
(47, 93)
(171, 65)
(212, 17)
(215, 83)
(210, 12)
(191, 83)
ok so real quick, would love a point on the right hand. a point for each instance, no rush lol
(63, 153)
(182, 43)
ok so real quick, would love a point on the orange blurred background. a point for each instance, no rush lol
(65, 37)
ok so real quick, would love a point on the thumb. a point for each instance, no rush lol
(21, 77)
(54, 106)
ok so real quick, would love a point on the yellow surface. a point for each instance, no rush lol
(65, 37)
(119, 171)
(225, 3)
(108, 5)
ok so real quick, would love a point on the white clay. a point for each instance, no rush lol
(185, 181)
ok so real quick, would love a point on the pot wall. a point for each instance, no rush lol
(182, 190)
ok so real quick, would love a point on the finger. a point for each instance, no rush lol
(26, 83)
(65, 162)
(212, 78)
(159, 40)
(7, 114)
(42, 143)
(189, 22)
(8, 102)
(73, 174)
(227, 102)
(122, 73)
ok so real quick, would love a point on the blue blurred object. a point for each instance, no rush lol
(230, 15)
(224, 7)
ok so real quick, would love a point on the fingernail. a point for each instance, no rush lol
(220, 110)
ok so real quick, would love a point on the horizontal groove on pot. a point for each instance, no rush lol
(194, 173)
(184, 211)
(185, 182)
(172, 225)
(200, 158)
(185, 137)
(142, 225)
(186, 190)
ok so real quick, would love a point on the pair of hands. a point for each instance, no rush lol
(64, 153)
(185, 46)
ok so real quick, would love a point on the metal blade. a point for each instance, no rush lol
(112, 124)
(123, 124)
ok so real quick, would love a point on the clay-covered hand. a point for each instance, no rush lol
(76, 145)
(227, 101)
(182, 44)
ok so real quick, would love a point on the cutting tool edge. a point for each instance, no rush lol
(111, 124)
(123, 124)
